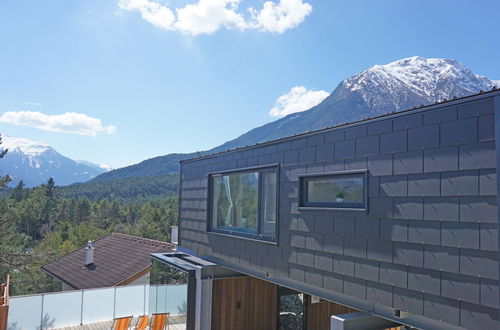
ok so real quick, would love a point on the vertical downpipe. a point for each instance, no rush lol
(197, 319)
(496, 105)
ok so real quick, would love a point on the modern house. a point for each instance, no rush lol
(113, 260)
(393, 219)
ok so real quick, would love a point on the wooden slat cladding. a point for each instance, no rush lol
(318, 314)
(4, 311)
(257, 301)
(4, 304)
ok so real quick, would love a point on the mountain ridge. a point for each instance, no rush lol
(378, 90)
(34, 162)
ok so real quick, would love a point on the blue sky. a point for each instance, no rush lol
(140, 79)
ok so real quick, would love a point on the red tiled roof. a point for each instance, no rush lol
(117, 257)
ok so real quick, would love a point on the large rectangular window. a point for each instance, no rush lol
(339, 190)
(245, 203)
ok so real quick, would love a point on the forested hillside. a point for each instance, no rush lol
(125, 190)
(38, 225)
(156, 166)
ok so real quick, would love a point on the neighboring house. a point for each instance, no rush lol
(113, 260)
(394, 216)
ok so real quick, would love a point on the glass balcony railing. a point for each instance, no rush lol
(81, 307)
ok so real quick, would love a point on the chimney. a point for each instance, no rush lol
(174, 235)
(89, 253)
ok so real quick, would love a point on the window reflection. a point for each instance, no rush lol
(269, 223)
(245, 203)
(235, 202)
(335, 191)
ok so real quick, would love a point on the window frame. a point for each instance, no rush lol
(259, 236)
(332, 206)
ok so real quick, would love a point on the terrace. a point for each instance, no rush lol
(96, 308)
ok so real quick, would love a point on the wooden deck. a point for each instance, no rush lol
(176, 322)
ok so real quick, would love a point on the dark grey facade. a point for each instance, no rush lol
(428, 242)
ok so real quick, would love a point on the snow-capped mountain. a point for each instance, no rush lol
(378, 90)
(34, 162)
(414, 81)
(99, 167)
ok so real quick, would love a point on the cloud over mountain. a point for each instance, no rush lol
(378, 90)
(297, 99)
(208, 16)
(68, 122)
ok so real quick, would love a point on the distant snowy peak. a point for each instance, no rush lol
(25, 146)
(34, 162)
(430, 79)
(104, 167)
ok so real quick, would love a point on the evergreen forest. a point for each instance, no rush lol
(41, 224)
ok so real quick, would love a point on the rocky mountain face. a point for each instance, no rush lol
(378, 90)
(34, 162)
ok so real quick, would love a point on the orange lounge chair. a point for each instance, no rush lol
(160, 321)
(121, 323)
(142, 322)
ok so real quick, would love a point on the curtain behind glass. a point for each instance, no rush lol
(269, 212)
(235, 199)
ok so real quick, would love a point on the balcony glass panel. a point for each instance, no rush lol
(98, 305)
(25, 312)
(176, 299)
(130, 300)
(61, 309)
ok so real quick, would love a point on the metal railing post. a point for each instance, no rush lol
(114, 303)
(156, 298)
(144, 309)
(81, 310)
(41, 317)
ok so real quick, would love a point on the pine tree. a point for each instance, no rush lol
(6, 179)
(18, 193)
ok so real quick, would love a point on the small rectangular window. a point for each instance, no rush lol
(343, 190)
(245, 203)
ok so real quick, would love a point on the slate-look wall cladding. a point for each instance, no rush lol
(428, 243)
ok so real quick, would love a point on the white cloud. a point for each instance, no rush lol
(280, 17)
(298, 99)
(152, 12)
(208, 16)
(69, 122)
